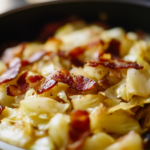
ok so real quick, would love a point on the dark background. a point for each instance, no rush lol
(6, 5)
(25, 24)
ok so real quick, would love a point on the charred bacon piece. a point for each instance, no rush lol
(14, 66)
(20, 88)
(114, 48)
(77, 82)
(77, 51)
(115, 64)
(79, 129)
(12, 71)
(40, 83)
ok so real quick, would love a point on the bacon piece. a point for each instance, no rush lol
(79, 129)
(48, 84)
(62, 75)
(12, 71)
(15, 90)
(80, 50)
(10, 53)
(83, 84)
(1, 109)
(79, 83)
(115, 64)
(114, 48)
(77, 51)
(40, 83)
(33, 58)
(20, 88)
(22, 78)
(34, 78)
(76, 62)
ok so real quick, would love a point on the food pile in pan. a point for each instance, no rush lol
(85, 88)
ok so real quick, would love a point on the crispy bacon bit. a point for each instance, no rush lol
(48, 84)
(20, 88)
(80, 50)
(34, 78)
(35, 57)
(1, 109)
(83, 83)
(114, 48)
(79, 129)
(41, 84)
(77, 51)
(22, 78)
(62, 75)
(10, 53)
(115, 64)
(15, 90)
(79, 83)
(35, 81)
(12, 71)
(76, 62)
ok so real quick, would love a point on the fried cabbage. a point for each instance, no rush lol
(87, 87)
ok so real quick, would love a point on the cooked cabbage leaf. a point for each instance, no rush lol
(42, 105)
(131, 141)
(118, 122)
(98, 141)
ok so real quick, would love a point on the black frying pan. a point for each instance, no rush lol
(25, 23)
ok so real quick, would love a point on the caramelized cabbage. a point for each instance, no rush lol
(86, 87)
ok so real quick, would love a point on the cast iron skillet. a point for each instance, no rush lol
(23, 24)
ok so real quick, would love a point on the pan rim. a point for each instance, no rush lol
(55, 2)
